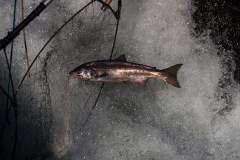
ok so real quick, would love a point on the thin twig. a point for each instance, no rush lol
(9, 71)
(94, 105)
(28, 70)
(113, 47)
(15, 133)
(9, 62)
(14, 104)
(24, 37)
(7, 95)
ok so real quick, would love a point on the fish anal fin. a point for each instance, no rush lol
(144, 81)
(103, 75)
(121, 58)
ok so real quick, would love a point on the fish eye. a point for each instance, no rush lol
(86, 73)
(81, 73)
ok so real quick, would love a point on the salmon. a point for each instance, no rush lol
(120, 70)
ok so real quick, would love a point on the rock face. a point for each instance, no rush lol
(158, 121)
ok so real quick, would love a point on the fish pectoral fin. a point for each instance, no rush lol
(121, 58)
(144, 81)
(102, 75)
(125, 82)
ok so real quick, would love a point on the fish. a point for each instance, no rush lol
(120, 70)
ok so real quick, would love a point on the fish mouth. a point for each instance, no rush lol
(72, 74)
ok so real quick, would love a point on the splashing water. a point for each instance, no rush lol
(130, 121)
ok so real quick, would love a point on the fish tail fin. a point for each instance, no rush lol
(170, 75)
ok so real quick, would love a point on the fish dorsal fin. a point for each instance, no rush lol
(121, 58)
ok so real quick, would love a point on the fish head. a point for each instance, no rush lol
(83, 72)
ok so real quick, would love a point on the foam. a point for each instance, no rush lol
(130, 121)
